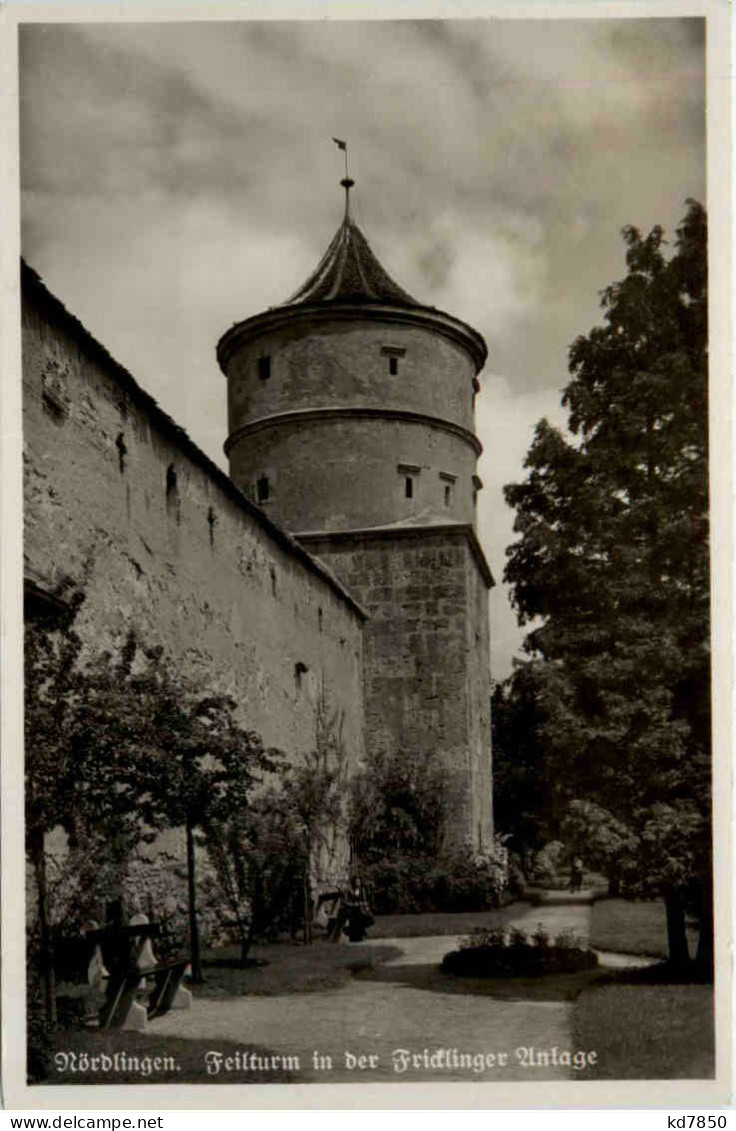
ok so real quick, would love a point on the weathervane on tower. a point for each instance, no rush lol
(346, 182)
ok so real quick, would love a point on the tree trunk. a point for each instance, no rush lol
(248, 933)
(295, 898)
(306, 897)
(246, 941)
(307, 910)
(193, 924)
(48, 976)
(704, 954)
(679, 954)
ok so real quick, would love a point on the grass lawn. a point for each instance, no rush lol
(181, 1061)
(656, 1032)
(288, 968)
(438, 923)
(632, 927)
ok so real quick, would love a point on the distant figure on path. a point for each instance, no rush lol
(358, 918)
(576, 874)
(349, 913)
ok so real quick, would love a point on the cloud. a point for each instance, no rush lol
(179, 177)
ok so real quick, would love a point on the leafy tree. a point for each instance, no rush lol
(525, 794)
(197, 765)
(118, 747)
(610, 570)
(81, 731)
(608, 845)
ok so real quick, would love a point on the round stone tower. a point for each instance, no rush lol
(352, 405)
(351, 422)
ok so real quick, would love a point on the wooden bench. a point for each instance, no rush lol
(167, 987)
(123, 961)
(121, 1008)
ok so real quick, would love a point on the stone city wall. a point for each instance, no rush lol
(119, 500)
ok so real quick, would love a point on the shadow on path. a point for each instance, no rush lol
(431, 978)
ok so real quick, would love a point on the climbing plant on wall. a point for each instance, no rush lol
(268, 855)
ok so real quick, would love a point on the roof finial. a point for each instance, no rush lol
(346, 182)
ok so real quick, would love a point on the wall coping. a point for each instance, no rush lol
(34, 289)
(381, 533)
(360, 413)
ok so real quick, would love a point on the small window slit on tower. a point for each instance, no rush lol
(393, 353)
(263, 489)
(122, 451)
(172, 493)
(264, 367)
(408, 471)
(448, 481)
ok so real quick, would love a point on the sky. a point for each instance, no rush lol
(178, 177)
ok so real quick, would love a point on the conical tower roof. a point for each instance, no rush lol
(349, 277)
(349, 272)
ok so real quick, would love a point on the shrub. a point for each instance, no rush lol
(569, 940)
(401, 886)
(540, 937)
(485, 937)
(488, 953)
(451, 882)
(548, 869)
(398, 826)
(516, 875)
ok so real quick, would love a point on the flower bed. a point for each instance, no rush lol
(497, 954)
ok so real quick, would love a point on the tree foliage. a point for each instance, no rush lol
(195, 765)
(611, 572)
(82, 724)
(120, 745)
(402, 841)
(81, 730)
(526, 794)
(398, 807)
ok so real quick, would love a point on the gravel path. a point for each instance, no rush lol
(386, 1019)
(379, 1018)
